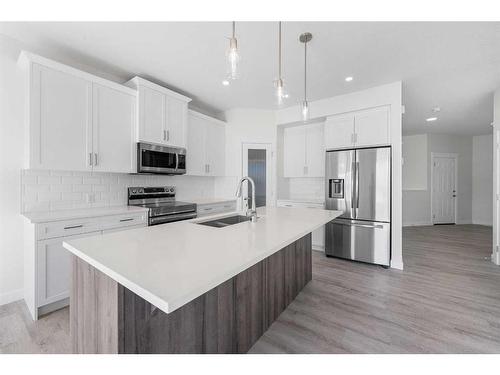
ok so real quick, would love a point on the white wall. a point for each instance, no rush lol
(11, 161)
(417, 203)
(415, 162)
(390, 94)
(482, 179)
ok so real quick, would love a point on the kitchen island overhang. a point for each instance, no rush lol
(189, 288)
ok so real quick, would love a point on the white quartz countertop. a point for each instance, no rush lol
(170, 265)
(202, 201)
(43, 217)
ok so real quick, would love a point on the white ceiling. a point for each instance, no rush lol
(455, 66)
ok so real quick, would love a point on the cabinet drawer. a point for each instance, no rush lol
(66, 228)
(121, 221)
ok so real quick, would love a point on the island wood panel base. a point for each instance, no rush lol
(106, 317)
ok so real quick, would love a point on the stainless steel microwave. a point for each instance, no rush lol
(158, 159)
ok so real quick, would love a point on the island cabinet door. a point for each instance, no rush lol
(249, 306)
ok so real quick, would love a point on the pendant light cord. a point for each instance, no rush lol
(305, 71)
(279, 50)
(234, 28)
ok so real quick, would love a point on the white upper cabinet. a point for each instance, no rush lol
(216, 147)
(294, 151)
(304, 151)
(151, 121)
(113, 130)
(315, 150)
(358, 129)
(76, 121)
(205, 145)
(372, 127)
(60, 120)
(161, 114)
(339, 131)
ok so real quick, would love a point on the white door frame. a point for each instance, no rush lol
(495, 254)
(444, 155)
(269, 169)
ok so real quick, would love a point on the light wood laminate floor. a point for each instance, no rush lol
(447, 300)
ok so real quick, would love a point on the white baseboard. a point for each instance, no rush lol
(11, 296)
(397, 265)
(463, 222)
(478, 222)
(417, 224)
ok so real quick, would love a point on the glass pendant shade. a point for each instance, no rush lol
(232, 56)
(280, 91)
(305, 110)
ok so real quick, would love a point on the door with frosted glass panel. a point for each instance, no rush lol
(257, 170)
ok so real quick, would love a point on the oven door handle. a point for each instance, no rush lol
(171, 218)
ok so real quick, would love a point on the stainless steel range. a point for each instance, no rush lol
(163, 208)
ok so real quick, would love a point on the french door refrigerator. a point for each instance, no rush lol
(358, 182)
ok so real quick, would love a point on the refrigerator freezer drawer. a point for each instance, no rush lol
(364, 241)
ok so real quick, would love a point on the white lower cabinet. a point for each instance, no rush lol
(53, 269)
(318, 236)
(47, 267)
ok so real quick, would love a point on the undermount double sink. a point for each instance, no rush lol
(225, 221)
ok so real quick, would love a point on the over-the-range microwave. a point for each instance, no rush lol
(159, 159)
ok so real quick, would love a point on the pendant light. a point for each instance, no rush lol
(278, 83)
(305, 38)
(232, 56)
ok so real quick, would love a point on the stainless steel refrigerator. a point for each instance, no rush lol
(358, 183)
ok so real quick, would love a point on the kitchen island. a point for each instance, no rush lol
(189, 288)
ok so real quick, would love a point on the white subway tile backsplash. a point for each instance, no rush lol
(51, 180)
(100, 187)
(48, 196)
(72, 196)
(79, 188)
(91, 180)
(59, 188)
(73, 180)
(54, 190)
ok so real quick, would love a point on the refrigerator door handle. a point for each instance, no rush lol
(353, 188)
(357, 186)
(371, 226)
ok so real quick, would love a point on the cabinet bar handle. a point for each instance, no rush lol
(164, 135)
(168, 135)
(95, 159)
(90, 158)
(74, 226)
(129, 219)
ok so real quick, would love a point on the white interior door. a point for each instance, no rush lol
(443, 189)
(257, 163)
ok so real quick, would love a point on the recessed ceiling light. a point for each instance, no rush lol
(430, 119)
(225, 82)
(348, 79)
(286, 96)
